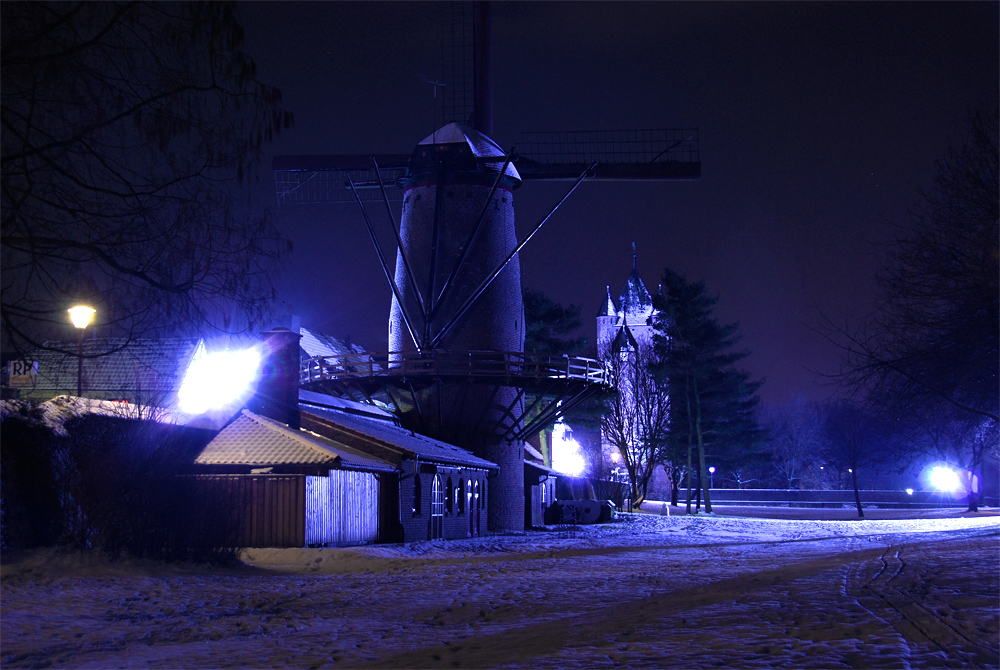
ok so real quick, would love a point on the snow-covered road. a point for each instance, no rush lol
(648, 591)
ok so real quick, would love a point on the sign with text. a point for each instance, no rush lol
(21, 373)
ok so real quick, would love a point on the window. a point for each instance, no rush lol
(437, 508)
(437, 497)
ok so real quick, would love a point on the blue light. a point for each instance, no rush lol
(945, 479)
(217, 379)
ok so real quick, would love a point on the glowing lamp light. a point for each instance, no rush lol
(615, 457)
(712, 469)
(81, 315)
(909, 492)
(566, 456)
(215, 380)
(944, 479)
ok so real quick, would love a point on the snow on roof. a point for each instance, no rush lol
(317, 344)
(55, 413)
(322, 400)
(608, 306)
(634, 298)
(481, 145)
(381, 433)
(257, 440)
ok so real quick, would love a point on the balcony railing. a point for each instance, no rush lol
(473, 364)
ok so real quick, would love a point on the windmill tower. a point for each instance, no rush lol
(456, 368)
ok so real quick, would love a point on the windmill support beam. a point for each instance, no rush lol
(496, 273)
(399, 240)
(385, 268)
(475, 233)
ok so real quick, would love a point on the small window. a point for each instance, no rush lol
(468, 495)
(475, 489)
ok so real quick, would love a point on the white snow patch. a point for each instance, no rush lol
(649, 590)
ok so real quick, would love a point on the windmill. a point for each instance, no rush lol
(456, 369)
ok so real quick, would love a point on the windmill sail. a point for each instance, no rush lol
(669, 154)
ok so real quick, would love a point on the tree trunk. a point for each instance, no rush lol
(697, 496)
(971, 488)
(690, 467)
(857, 495)
(675, 482)
(702, 471)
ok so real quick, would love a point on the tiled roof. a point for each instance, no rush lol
(381, 433)
(634, 298)
(153, 368)
(256, 440)
(323, 400)
(318, 344)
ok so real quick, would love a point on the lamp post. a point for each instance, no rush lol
(80, 316)
(711, 477)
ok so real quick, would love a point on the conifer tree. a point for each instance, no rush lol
(711, 401)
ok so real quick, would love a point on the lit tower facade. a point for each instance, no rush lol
(456, 229)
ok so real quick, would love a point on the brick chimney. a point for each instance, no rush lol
(277, 395)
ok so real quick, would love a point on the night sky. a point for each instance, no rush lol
(817, 123)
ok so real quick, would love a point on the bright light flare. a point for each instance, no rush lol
(217, 379)
(566, 456)
(81, 315)
(909, 492)
(945, 479)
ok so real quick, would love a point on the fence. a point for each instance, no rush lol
(890, 499)
(301, 510)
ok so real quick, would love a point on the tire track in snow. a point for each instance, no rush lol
(915, 622)
(529, 644)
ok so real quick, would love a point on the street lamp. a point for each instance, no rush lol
(711, 472)
(80, 316)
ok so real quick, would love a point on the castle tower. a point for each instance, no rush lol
(607, 324)
(636, 306)
(634, 311)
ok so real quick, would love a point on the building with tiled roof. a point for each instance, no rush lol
(253, 441)
(346, 465)
(315, 344)
(146, 371)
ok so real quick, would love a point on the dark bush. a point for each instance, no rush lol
(130, 494)
(30, 509)
(115, 484)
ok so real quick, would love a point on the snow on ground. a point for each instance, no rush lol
(646, 591)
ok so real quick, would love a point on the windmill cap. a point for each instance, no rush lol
(479, 146)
